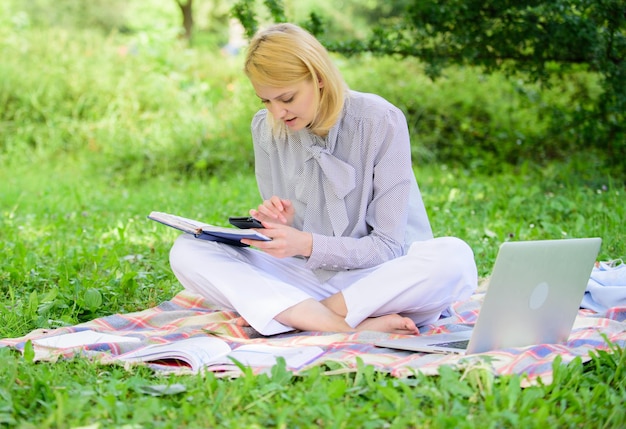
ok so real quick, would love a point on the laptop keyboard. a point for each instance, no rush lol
(462, 344)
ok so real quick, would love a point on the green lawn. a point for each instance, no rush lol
(76, 245)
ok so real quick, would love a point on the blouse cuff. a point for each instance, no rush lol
(319, 256)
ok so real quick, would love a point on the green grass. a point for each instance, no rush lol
(76, 393)
(68, 233)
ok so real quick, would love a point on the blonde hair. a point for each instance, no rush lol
(285, 54)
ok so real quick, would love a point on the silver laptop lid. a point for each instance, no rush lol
(534, 293)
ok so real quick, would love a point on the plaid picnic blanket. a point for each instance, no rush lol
(187, 315)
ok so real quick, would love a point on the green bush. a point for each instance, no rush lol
(129, 103)
(144, 104)
(468, 118)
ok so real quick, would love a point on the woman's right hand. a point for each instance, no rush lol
(275, 210)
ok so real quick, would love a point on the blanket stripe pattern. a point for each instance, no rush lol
(188, 315)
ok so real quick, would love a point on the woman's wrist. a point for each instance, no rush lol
(307, 244)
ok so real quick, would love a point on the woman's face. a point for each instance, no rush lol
(294, 105)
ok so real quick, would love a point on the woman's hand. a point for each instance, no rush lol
(286, 241)
(275, 210)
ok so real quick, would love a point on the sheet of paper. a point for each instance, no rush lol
(82, 338)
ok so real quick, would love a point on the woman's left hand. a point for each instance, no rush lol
(286, 241)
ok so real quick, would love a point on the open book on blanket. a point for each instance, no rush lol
(206, 231)
(212, 353)
(195, 353)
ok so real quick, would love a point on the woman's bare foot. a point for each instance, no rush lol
(390, 323)
(312, 315)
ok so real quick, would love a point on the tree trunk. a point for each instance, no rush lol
(187, 10)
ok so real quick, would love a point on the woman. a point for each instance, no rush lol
(352, 248)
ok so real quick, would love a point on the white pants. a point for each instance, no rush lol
(420, 285)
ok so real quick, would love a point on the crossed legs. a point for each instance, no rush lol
(277, 296)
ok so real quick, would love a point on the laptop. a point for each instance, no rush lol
(533, 297)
